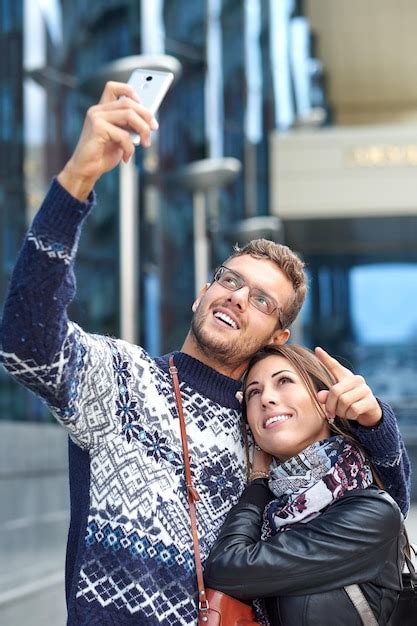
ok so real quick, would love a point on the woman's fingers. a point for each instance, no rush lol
(332, 364)
(350, 397)
(346, 399)
(338, 397)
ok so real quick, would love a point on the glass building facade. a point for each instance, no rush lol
(12, 190)
(248, 67)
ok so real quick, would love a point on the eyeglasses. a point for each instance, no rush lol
(233, 281)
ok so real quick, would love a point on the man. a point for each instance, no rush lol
(129, 557)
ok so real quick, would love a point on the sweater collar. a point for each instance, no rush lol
(203, 379)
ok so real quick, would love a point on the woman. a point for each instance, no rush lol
(312, 521)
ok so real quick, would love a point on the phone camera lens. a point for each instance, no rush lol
(149, 78)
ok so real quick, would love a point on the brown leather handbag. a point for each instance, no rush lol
(223, 610)
(214, 607)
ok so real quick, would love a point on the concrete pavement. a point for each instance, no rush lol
(41, 603)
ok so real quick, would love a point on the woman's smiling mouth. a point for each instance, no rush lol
(274, 419)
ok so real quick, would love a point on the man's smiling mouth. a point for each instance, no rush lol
(220, 315)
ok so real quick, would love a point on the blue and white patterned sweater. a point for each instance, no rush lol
(130, 558)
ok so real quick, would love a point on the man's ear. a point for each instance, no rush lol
(280, 337)
(201, 293)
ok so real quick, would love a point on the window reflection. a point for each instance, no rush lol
(385, 330)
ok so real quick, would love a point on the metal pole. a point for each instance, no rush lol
(200, 240)
(129, 251)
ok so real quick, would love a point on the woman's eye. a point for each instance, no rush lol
(252, 392)
(284, 380)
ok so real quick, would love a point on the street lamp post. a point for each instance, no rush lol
(120, 70)
(201, 177)
(257, 227)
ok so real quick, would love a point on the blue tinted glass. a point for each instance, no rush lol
(384, 316)
(384, 302)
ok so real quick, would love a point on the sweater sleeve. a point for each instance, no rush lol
(385, 447)
(349, 543)
(39, 346)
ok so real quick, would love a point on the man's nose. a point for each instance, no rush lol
(240, 297)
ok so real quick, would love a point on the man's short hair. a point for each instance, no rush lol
(289, 263)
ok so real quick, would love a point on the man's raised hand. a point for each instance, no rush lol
(105, 138)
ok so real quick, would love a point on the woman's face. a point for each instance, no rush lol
(281, 413)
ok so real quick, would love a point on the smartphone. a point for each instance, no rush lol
(150, 86)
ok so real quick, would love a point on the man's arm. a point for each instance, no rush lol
(385, 447)
(35, 334)
(38, 344)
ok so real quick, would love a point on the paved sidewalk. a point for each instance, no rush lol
(42, 605)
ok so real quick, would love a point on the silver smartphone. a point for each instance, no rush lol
(151, 87)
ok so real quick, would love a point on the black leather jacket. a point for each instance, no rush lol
(302, 571)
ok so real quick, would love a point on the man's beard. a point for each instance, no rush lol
(226, 351)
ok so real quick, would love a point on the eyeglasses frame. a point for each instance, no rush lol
(245, 284)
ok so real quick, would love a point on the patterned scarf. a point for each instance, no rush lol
(308, 483)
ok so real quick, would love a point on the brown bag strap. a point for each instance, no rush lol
(246, 447)
(192, 494)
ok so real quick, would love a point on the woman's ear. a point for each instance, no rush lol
(322, 398)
